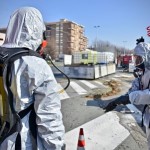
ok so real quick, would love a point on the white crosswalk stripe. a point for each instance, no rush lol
(123, 76)
(100, 83)
(77, 88)
(90, 85)
(63, 95)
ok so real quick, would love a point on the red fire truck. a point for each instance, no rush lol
(124, 60)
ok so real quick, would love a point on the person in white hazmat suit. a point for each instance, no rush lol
(32, 80)
(139, 93)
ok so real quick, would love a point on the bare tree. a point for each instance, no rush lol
(50, 49)
(106, 46)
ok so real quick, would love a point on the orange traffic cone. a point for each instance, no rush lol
(81, 141)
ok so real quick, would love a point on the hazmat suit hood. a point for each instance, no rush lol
(143, 50)
(25, 29)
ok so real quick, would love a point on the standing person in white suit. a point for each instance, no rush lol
(139, 93)
(32, 83)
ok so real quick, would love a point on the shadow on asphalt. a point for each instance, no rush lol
(98, 102)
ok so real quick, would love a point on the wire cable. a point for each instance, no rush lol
(61, 91)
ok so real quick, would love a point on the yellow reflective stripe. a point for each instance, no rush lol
(61, 91)
(3, 107)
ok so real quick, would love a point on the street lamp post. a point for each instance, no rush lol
(96, 36)
(124, 46)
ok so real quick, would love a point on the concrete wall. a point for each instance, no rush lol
(89, 72)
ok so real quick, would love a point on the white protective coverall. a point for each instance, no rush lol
(32, 75)
(138, 97)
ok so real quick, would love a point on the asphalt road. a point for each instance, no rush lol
(81, 109)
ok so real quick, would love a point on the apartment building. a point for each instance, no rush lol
(65, 37)
(2, 38)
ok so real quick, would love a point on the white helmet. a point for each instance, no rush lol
(142, 55)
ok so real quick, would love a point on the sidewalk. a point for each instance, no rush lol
(107, 133)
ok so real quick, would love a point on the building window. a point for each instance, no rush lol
(48, 33)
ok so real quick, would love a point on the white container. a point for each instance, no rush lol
(67, 59)
(76, 57)
(85, 57)
(105, 57)
(131, 67)
(111, 68)
(103, 70)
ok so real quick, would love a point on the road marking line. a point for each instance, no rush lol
(104, 132)
(90, 85)
(100, 84)
(77, 88)
(117, 76)
(62, 95)
(126, 76)
(116, 79)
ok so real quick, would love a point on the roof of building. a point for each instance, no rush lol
(2, 37)
(63, 21)
(2, 30)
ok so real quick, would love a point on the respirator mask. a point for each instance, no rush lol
(139, 66)
(42, 46)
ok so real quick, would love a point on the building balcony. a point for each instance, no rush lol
(71, 29)
(81, 31)
(70, 47)
(72, 35)
(82, 43)
(81, 37)
(70, 41)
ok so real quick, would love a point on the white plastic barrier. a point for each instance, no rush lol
(103, 70)
(131, 67)
(89, 72)
(82, 72)
(111, 68)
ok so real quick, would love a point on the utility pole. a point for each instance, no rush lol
(96, 36)
(124, 46)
